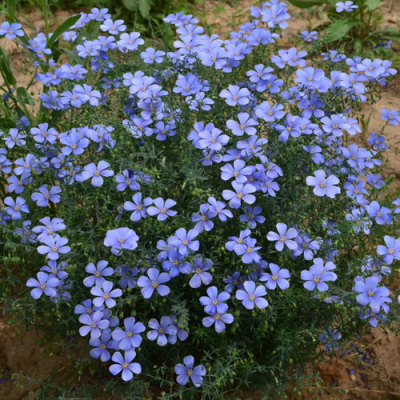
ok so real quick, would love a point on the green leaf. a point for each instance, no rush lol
(62, 28)
(144, 7)
(373, 4)
(339, 29)
(308, 3)
(24, 97)
(131, 5)
(5, 69)
(389, 34)
(12, 7)
(6, 123)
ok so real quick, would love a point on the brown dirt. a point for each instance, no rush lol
(368, 371)
(23, 353)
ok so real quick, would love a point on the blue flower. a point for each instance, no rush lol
(184, 242)
(11, 31)
(188, 370)
(154, 281)
(347, 6)
(392, 116)
(283, 237)
(54, 246)
(130, 338)
(101, 346)
(161, 329)
(370, 293)
(214, 301)
(42, 199)
(93, 324)
(318, 275)
(15, 207)
(252, 295)
(44, 283)
(97, 273)
(162, 209)
(324, 186)
(245, 125)
(203, 219)
(235, 95)
(242, 192)
(219, 317)
(113, 27)
(201, 275)
(125, 365)
(121, 238)
(212, 140)
(391, 251)
(309, 36)
(277, 277)
(138, 207)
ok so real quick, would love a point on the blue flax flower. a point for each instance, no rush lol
(220, 317)
(188, 370)
(161, 329)
(105, 294)
(214, 300)
(93, 323)
(154, 281)
(130, 338)
(391, 251)
(125, 365)
(121, 238)
(44, 283)
(283, 237)
(252, 295)
(162, 209)
(324, 186)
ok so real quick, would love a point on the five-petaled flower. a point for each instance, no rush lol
(283, 237)
(154, 281)
(252, 295)
(188, 370)
(162, 209)
(96, 173)
(324, 186)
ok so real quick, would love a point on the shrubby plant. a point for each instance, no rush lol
(203, 217)
(355, 26)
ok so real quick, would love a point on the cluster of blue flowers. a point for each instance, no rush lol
(257, 109)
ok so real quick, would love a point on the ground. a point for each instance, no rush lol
(367, 371)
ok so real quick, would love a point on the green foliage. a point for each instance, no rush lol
(357, 31)
(263, 349)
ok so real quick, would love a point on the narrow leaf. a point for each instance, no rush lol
(6, 69)
(62, 28)
(308, 3)
(12, 7)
